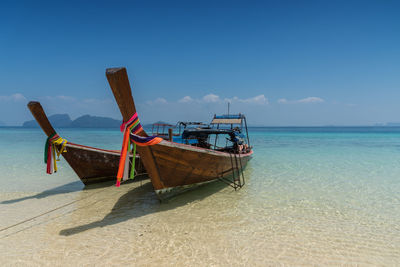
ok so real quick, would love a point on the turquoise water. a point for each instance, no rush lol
(352, 169)
(21, 158)
(313, 193)
(347, 164)
(357, 168)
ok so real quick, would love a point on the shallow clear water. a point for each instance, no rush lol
(312, 195)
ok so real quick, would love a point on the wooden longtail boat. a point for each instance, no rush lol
(92, 165)
(174, 167)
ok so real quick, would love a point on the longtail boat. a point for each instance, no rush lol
(175, 167)
(91, 164)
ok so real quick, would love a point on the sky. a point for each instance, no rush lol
(282, 63)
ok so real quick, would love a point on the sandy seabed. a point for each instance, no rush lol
(210, 226)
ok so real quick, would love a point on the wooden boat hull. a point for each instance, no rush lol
(183, 166)
(95, 165)
(173, 166)
(92, 165)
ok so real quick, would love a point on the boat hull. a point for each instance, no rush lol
(95, 165)
(183, 166)
(92, 165)
(173, 165)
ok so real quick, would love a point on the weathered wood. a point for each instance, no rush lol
(41, 118)
(119, 83)
(92, 165)
(181, 165)
(170, 135)
(173, 166)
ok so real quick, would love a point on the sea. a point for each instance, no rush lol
(313, 196)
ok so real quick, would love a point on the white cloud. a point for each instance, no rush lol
(18, 97)
(282, 101)
(14, 97)
(64, 97)
(95, 101)
(230, 100)
(186, 99)
(57, 98)
(158, 100)
(260, 99)
(211, 98)
(311, 99)
(69, 100)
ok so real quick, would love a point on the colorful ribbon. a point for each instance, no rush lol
(55, 145)
(145, 141)
(130, 129)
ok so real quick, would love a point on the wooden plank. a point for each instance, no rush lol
(41, 118)
(119, 83)
(92, 165)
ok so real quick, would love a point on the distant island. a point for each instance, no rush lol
(149, 125)
(393, 124)
(85, 121)
(388, 124)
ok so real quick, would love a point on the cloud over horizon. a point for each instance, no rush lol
(185, 99)
(311, 99)
(260, 99)
(13, 97)
(257, 108)
(213, 98)
(158, 100)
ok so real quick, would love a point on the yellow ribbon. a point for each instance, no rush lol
(59, 146)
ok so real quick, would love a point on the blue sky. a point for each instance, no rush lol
(279, 62)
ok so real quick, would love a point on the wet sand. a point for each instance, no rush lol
(210, 226)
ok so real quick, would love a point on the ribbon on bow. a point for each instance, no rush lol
(130, 130)
(55, 145)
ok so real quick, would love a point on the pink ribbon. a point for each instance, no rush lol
(122, 127)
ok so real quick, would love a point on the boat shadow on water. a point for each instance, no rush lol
(65, 189)
(141, 201)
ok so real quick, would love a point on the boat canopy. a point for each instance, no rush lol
(228, 119)
(161, 129)
(196, 133)
(239, 120)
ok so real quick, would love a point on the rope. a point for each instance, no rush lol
(47, 212)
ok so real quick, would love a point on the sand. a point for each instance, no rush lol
(210, 226)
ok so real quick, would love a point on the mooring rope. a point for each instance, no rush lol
(52, 210)
(49, 211)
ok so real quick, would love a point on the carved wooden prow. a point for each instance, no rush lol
(119, 83)
(41, 118)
